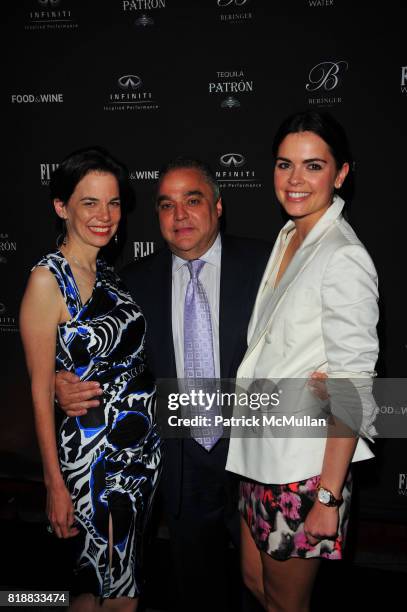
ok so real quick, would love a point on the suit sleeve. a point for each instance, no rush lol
(349, 319)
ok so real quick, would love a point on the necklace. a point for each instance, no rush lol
(75, 260)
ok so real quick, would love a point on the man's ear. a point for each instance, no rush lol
(219, 207)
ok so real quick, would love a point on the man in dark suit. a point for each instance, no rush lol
(199, 496)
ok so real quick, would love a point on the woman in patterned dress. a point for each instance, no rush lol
(101, 469)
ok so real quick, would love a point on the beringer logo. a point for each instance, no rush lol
(325, 75)
(232, 159)
(235, 2)
(129, 81)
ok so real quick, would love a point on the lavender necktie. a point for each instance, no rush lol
(198, 356)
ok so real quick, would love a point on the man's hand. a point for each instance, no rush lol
(76, 397)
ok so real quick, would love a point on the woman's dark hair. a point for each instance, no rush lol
(78, 164)
(324, 125)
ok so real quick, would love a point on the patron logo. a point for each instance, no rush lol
(142, 5)
(142, 249)
(45, 172)
(144, 20)
(232, 82)
(233, 174)
(51, 16)
(130, 95)
(43, 98)
(403, 85)
(230, 102)
(326, 77)
(234, 10)
(7, 246)
(7, 322)
(403, 484)
(144, 175)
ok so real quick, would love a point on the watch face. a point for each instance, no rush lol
(324, 496)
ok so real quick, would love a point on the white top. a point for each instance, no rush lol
(322, 316)
(210, 279)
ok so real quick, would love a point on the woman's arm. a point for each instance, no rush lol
(349, 319)
(42, 309)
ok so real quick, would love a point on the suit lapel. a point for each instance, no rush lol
(230, 294)
(161, 316)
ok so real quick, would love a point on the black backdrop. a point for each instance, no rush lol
(149, 79)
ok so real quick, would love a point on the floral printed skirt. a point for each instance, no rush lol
(275, 515)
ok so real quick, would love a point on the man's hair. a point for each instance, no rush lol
(181, 162)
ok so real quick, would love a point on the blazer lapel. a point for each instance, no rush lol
(269, 301)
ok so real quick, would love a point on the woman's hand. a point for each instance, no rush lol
(60, 511)
(316, 383)
(321, 523)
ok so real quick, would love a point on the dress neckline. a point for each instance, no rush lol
(75, 285)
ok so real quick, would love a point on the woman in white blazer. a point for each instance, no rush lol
(316, 311)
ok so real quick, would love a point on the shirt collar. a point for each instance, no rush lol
(212, 256)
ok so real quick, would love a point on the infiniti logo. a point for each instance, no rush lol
(232, 159)
(129, 81)
(235, 2)
(325, 75)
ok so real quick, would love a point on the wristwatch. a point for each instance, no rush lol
(326, 497)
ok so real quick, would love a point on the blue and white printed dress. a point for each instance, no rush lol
(109, 458)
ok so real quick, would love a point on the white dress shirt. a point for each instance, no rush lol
(210, 279)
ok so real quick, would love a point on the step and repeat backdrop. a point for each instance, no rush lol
(151, 79)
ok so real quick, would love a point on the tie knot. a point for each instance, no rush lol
(195, 267)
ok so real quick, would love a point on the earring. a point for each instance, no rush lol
(116, 240)
(62, 236)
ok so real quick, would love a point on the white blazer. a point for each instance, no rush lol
(322, 316)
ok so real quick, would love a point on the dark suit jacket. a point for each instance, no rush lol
(150, 282)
